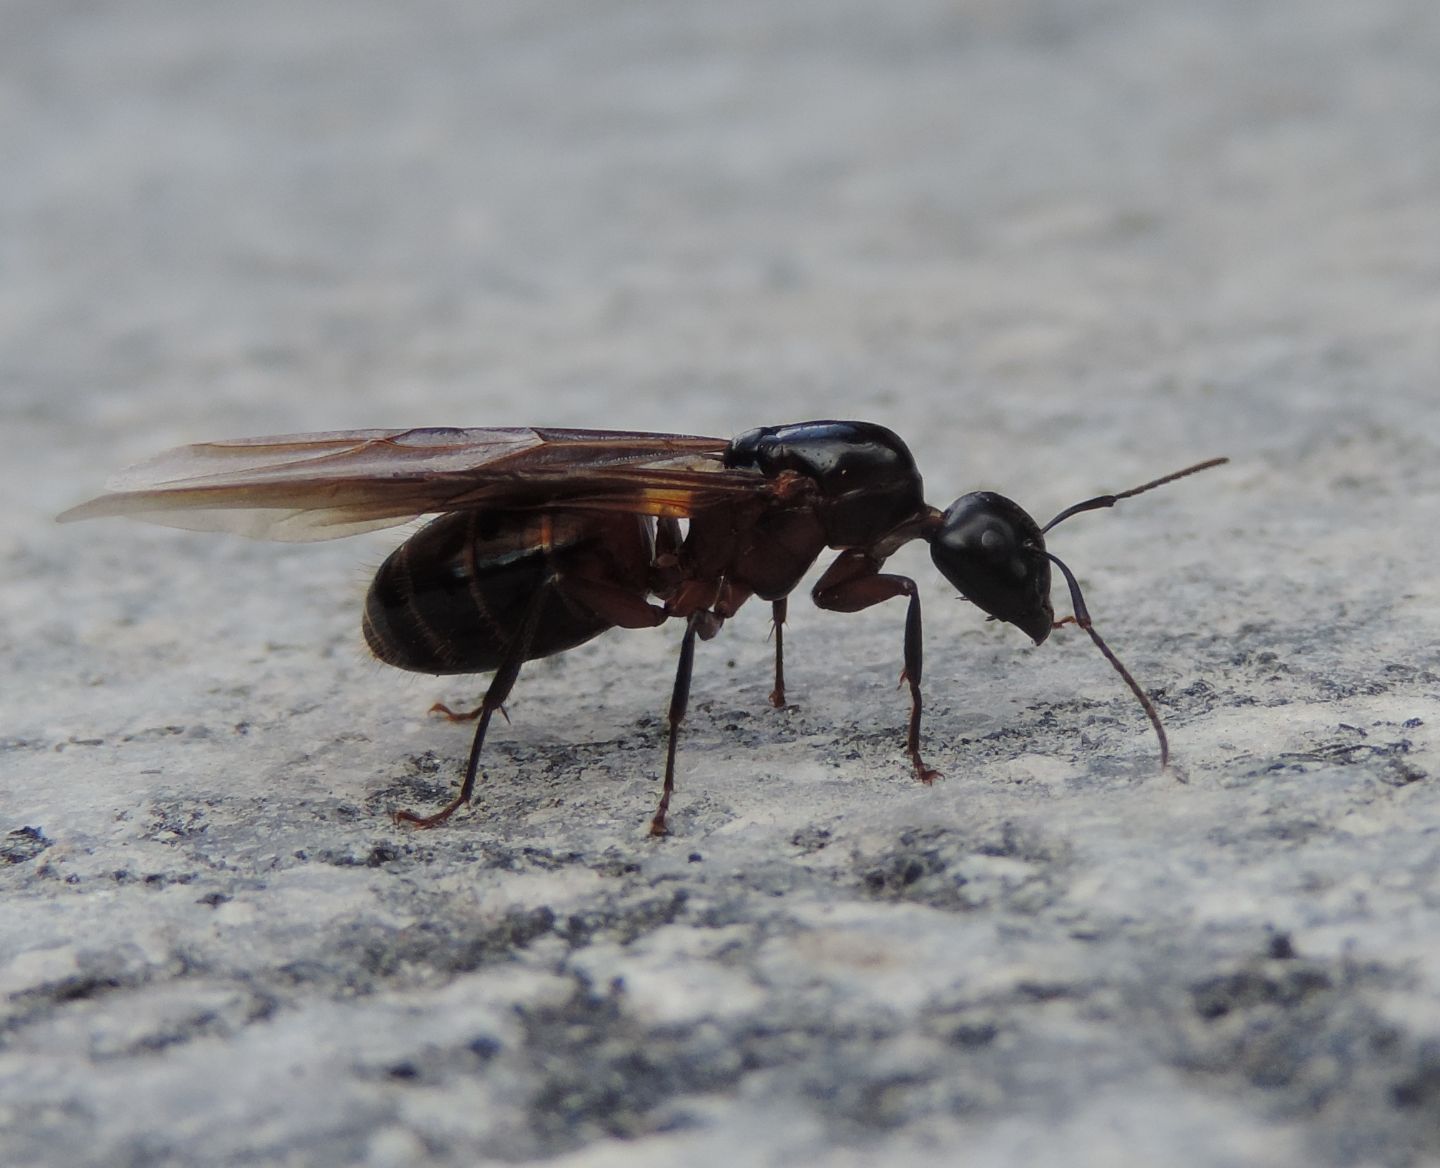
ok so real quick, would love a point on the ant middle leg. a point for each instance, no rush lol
(777, 624)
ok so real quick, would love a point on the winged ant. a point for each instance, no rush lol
(546, 538)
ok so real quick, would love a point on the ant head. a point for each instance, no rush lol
(994, 553)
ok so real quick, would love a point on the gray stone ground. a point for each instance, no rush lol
(1062, 247)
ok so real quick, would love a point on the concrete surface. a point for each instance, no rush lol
(1062, 247)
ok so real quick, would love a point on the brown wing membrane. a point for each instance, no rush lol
(321, 486)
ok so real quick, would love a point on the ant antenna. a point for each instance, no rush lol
(1100, 501)
(1082, 618)
(1082, 614)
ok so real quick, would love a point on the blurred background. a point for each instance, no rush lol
(985, 223)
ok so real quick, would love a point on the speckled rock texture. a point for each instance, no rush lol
(1062, 247)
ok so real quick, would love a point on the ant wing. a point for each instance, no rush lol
(299, 487)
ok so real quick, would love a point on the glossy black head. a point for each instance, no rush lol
(994, 553)
(865, 475)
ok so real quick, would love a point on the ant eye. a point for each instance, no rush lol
(996, 543)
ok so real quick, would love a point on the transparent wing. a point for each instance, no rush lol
(297, 487)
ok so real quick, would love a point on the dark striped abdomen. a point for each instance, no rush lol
(452, 597)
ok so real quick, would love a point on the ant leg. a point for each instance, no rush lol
(457, 715)
(777, 618)
(467, 788)
(914, 654)
(854, 581)
(500, 685)
(679, 700)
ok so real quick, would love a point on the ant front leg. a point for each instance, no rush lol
(854, 582)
